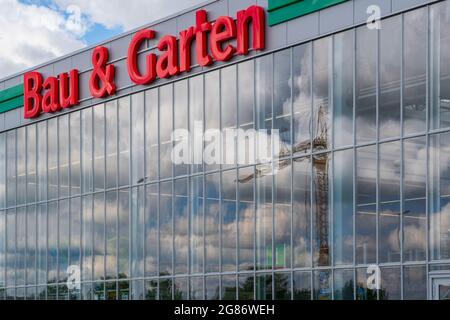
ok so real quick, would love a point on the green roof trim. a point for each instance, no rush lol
(11, 98)
(285, 10)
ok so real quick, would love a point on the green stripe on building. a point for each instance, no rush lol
(11, 98)
(285, 10)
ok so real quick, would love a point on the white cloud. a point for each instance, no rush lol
(127, 14)
(33, 34)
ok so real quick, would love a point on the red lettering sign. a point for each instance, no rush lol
(58, 93)
(175, 55)
(218, 41)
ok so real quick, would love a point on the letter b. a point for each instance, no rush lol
(32, 97)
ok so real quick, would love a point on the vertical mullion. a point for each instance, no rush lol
(402, 142)
(377, 206)
(331, 156)
(173, 193)
(311, 168)
(220, 181)
(158, 268)
(204, 167)
(427, 189)
(292, 171)
(354, 170)
(273, 176)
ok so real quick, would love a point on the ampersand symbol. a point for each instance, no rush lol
(102, 83)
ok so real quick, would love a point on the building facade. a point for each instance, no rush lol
(91, 194)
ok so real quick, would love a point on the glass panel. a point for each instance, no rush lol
(415, 71)
(64, 153)
(283, 216)
(439, 191)
(440, 65)
(165, 229)
(390, 73)
(3, 252)
(389, 208)
(343, 88)
(414, 206)
(3, 158)
(229, 221)
(111, 291)
(390, 284)
(228, 94)
(181, 118)
(151, 290)
(321, 211)
(137, 232)
(302, 90)
(99, 147)
(282, 286)
(212, 288)
(181, 228)
(181, 289)
(322, 62)
(246, 220)
(111, 144)
(343, 207)
(137, 139)
(21, 245)
(31, 164)
(343, 285)
(212, 223)
(196, 289)
(111, 234)
(75, 154)
(165, 289)
(87, 239)
(86, 150)
(42, 244)
(151, 230)
(322, 285)
(246, 287)
(137, 290)
(124, 234)
(124, 141)
(212, 116)
(11, 168)
(264, 223)
(124, 290)
(166, 113)
(366, 84)
(99, 237)
(196, 221)
(196, 106)
(362, 292)
(75, 233)
(366, 215)
(52, 252)
(21, 166)
(302, 286)
(52, 158)
(302, 213)
(246, 75)
(282, 97)
(415, 283)
(63, 240)
(228, 287)
(264, 287)
(151, 136)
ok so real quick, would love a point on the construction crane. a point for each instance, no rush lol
(319, 142)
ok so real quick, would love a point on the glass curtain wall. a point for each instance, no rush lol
(362, 179)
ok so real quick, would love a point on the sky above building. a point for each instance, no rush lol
(35, 31)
